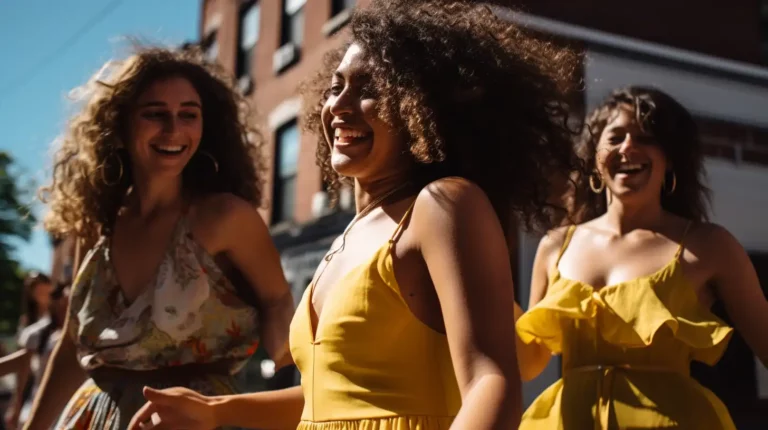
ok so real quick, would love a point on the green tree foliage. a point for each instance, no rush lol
(16, 222)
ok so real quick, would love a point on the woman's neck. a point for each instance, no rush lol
(369, 192)
(150, 197)
(624, 217)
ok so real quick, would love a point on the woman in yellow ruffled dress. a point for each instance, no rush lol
(625, 296)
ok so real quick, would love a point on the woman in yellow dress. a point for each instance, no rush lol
(438, 115)
(625, 296)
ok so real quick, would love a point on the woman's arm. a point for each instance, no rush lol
(250, 248)
(63, 374)
(534, 357)
(183, 408)
(240, 233)
(737, 285)
(463, 245)
(18, 363)
(13, 363)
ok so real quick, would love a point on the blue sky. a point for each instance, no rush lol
(33, 100)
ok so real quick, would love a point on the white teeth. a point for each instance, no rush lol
(170, 149)
(347, 133)
(630, 167)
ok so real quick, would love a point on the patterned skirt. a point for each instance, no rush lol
(110, 398)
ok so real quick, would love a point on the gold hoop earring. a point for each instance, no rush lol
(120, 170)
(674, 183)
(213, 160)
(596, 190)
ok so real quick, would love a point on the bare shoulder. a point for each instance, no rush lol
(222, 219)
(551, 242)
(223, 208)
(452, 197)
(712, 241)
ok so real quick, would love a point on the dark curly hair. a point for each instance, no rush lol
(477, 97)
(672, 128)
(88, 188)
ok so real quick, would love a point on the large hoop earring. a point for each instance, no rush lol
(595, 189)
(103, 168)
(213, 160)
(674, 183)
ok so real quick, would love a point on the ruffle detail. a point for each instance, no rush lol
(631, 313)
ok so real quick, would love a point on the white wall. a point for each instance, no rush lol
(702, 94)
(740, 201)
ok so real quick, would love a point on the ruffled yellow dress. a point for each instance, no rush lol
(372, 365)
(626, 352)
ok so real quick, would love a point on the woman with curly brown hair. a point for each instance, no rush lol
(448, 122)
(626, 295)
(182, 281)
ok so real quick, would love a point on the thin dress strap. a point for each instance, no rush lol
(399, 229)
(681, 247)
(566, 242)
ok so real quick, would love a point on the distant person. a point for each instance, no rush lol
(36, 344)
(625, 296)
(157, 178)
(35, 299)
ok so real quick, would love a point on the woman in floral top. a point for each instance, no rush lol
(158, 175)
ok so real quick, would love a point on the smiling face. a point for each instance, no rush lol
(166, 125)
(362, 145)
(629, 160)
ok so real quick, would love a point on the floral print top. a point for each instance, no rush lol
(191, 313)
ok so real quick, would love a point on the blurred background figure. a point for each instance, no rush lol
(36, 342)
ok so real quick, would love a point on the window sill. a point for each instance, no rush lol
(337, 22)
(286, 56)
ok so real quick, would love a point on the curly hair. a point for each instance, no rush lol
(672, 128)
(92, 170)
(477, 97)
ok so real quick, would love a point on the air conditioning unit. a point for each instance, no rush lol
(320, 204)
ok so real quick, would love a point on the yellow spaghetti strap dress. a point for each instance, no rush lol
(372, 365)
(626, 352)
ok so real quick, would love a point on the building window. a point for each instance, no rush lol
(339, 6)
(250, 15)
(293, 22)
(210, 46)
(341, 12)
(286, 166)
(740, 143)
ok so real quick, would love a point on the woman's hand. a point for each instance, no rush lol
(175, 408)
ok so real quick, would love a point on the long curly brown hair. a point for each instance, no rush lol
(92, 171)
(674, 130)
(478, 97)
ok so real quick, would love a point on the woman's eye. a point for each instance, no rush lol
(155, 115)
(336, 89)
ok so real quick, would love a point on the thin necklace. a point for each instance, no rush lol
(367, 209)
